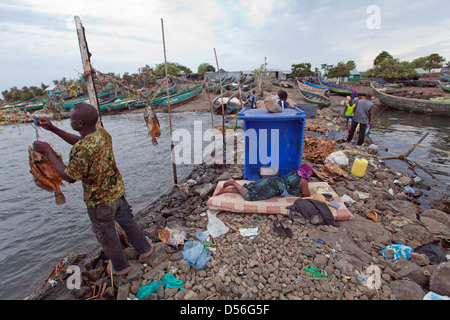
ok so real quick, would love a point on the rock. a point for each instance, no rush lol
(406, 181)
(404, 208)
(420, 259)
(160, 291)
(372, 149)
(190, 295)
(157, 256)
(406, 290)
(184, 266)
(224, 177)
(203, 190)
(418, 233)
(94, 274)
(221, 288)
(366, 230)
(340, 241)
(437, 215)
(320, 261)
(440, 279)
(123, 291)
(435, 227)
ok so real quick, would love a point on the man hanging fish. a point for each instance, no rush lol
(152, 122)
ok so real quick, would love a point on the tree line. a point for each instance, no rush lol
(384, 66)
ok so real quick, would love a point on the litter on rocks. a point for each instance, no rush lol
(248, 232)
(215, 227)
(169, 281)
(398, 250)
(315, 272)
(197, 253)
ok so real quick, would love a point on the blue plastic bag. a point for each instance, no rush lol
(399, 250)
(196, 253)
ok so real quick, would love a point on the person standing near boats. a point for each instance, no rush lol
(251, 98)
(349, 111)
(92, 161)
(362, 116)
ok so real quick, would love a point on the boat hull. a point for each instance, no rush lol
(412, 105)
(315, 98)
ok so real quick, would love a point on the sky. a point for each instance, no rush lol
(39, 42)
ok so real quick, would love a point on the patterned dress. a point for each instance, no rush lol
(273, 186)
(92, 161)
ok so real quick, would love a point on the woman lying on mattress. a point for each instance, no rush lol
(293, 184)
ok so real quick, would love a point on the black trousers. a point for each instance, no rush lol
(361, 134)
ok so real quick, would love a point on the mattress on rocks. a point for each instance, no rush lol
(233, 202)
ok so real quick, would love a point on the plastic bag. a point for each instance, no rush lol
(338, 158)
(399, 250)
(169, 281)
(347, 200)
(195, 252)
(215, 226)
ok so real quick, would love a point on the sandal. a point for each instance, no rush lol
(279, 230)
(288, 231)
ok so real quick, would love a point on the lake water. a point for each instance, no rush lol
(35, 233)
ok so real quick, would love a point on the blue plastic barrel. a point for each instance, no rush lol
(272, 139)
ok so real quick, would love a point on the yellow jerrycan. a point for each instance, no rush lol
(359, 167)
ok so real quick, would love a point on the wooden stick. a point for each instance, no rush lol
(174, 167)
(87, 68)
(111, 270)
(223, 109)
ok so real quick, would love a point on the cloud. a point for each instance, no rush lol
(39, 38)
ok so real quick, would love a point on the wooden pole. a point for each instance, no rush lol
(407, 153)
(87, 68)
(174, 166)
(223, 109)
(211, 109)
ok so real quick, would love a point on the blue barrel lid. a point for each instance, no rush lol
(291, 113)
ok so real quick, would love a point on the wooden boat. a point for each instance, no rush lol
(445, 78)
(231, 104)
(183, 97)
(445, 86)
(315, 98)
(318, 90)
(317, 86)
(336, 89)
(411, 104)
(282, 83)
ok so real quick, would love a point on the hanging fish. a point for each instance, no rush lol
(45, 175)
(152, 122)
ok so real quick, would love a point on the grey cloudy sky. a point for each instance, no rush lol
(39, 41)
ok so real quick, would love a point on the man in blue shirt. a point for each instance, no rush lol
(251, 98)
(362, 117)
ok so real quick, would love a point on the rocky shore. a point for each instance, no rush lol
(318, 262)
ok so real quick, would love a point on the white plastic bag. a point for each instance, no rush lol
(338, 158)
(215, 226)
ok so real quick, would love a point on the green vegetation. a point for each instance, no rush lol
(301, 70)
(205, 67)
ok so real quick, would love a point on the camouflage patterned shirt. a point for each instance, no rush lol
(92, 161)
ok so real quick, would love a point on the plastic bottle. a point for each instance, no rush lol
(359, 167)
